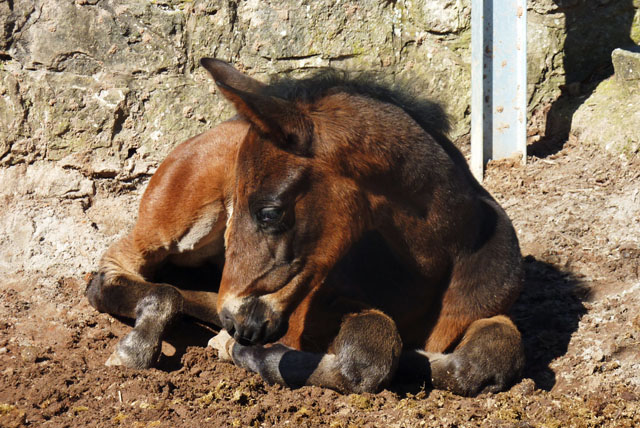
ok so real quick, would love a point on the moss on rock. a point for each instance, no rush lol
(610, 117)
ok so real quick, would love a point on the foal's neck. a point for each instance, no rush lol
(424, 199)
(417, 187)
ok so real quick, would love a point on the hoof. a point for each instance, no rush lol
(114, 360)
(462, 377)
(134, 352)
(223, 343)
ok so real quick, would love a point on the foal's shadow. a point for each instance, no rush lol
(186, 331)
(547, 313)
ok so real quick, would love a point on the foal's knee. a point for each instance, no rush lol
(107, 290)
(489, 358)
(368, 348)
(162, 303)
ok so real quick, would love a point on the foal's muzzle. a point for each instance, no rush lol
(253, 323)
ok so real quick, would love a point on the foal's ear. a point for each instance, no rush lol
(275, 117)
(224, 73)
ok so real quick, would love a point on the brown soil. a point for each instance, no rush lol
(577, 213)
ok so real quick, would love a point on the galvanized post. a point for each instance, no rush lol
(498, 81)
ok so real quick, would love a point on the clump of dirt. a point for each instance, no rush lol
(577, 213)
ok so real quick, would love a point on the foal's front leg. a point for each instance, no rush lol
(489, 358)
(160, 305)
(120, 289)
(123, 292)
(362, 358)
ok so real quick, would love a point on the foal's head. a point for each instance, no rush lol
(295, 211)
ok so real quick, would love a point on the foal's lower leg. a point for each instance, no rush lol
(120, 289)
(153, 306)
(489, 358)
(363, 357)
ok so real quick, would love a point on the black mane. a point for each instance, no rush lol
(428, 114)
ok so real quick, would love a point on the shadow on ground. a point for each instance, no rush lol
(547, 314)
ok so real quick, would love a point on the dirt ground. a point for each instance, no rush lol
(577, 213)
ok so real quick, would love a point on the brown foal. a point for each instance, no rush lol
(354, 239)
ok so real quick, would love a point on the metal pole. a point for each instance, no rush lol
(498, 81)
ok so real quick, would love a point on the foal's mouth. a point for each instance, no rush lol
(263, 317)
(259, 324)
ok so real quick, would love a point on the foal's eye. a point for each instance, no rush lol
(269, 216)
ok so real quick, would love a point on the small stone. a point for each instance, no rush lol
(105, 168)
(141, 167)
(525, 387)
(598, 355)
(29, 354)
(610, 366)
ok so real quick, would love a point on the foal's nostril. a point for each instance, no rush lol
(243, 340)
(256, 333)
(227, 322)
(253, 333)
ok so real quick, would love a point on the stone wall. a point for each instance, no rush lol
(104, 81)
(610, 117)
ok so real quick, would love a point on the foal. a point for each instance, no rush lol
(356, 242)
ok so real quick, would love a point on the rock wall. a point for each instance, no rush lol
(104, 81)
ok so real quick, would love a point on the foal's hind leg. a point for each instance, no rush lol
(489, 358)
(362, 358)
